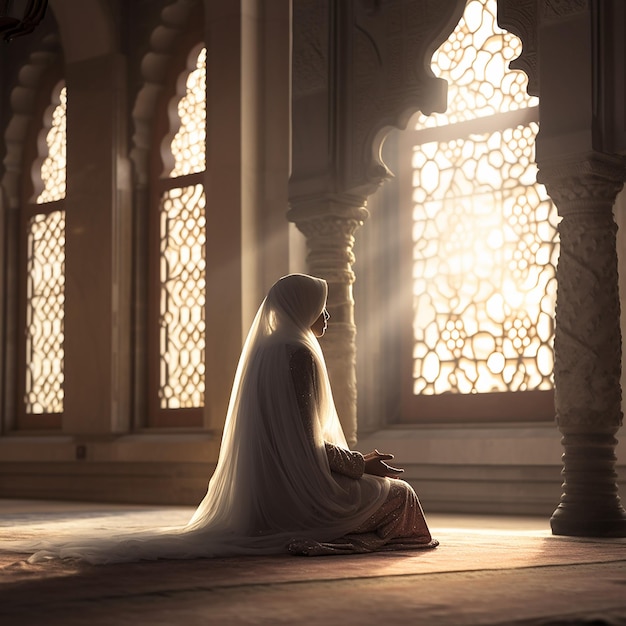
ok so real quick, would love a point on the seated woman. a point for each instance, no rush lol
(396, 524)
(285, 479)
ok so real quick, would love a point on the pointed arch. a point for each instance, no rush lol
(30, 97)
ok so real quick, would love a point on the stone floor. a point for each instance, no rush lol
(487, 570)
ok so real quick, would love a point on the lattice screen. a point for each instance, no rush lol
(485, 238)
(44, 313)
(182, 298)
(182, 257)
(45, 277)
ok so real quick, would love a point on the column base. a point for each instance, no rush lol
(588, 521)
(590, 505)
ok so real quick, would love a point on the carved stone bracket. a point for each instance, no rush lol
(386, 53)
(587, 343)
(329, 224)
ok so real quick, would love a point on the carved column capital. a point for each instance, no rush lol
(586, 184)
(329, 225)
(339, 205)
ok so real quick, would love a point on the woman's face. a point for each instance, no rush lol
(321, 323)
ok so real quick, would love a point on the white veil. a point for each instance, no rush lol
(272, 482)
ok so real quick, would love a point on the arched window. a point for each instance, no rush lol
(178, 345)
(44, 276)
(484, 238)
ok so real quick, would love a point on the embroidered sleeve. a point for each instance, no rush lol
(303, 376)
(346, 462)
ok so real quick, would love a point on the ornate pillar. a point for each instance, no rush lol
(329, 225)
(580, 68)
(587, 344)
(575, 62)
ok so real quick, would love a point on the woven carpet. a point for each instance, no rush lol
(485, 571)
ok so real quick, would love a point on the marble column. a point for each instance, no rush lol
(587, 344)
(329, 224)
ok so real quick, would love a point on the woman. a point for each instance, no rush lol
(285, 479)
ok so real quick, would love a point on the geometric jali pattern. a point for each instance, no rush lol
(45, 313)
(485, 241)
(45, 275)
(484, 256)
(182, 298)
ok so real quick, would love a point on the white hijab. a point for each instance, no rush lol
(272, 482)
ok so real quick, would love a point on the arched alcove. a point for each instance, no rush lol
(24, 104)
(156, 73)
(28, 100)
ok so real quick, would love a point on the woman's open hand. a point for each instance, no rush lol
(375, 464)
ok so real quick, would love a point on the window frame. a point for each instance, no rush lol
(157, 416)
(511, 406)
(29, 208)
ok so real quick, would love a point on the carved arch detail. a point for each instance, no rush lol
(390, 78)
(154, 70)
(24, 103)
